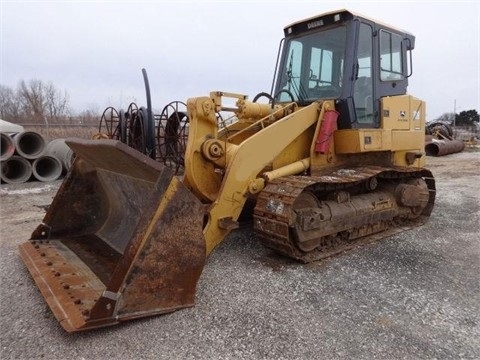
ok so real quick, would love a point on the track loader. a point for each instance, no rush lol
(333, 154)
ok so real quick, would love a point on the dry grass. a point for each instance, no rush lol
(62, 131)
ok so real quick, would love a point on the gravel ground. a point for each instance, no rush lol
(412, 296)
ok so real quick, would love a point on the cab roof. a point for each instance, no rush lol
(339, 16)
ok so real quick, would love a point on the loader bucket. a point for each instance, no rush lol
(122, 239)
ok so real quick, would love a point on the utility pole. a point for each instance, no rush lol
(48, 131)
(454, 111)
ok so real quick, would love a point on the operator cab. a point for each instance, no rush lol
(347, 57)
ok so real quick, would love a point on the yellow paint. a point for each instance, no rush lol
(403, 112)
(408, 140)
(224, 167)
(253, 155)
(296, 150)
(354, 141)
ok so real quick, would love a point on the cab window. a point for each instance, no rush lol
(390, 56)
(313, 66)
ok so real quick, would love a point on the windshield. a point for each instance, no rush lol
(312, 67)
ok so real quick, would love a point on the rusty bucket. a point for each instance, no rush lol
(122, 239)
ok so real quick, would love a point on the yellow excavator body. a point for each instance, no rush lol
(334, 156)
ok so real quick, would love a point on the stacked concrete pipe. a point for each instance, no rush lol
(46, 168)
(59, 149)
(16, 170)
(29, 159)
(29, 144)
(7, 147)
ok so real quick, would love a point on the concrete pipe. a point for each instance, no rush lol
(47, 168)
(8, 148)
(16, 170)
(62, 152)
(29, 144)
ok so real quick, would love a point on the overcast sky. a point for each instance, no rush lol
(95, 50)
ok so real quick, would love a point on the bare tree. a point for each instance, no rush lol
(32, 99)
(446, 118)
(9, 106)
(40, 101)
(56, 102)
(89, 116)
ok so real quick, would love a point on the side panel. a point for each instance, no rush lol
(298, 149)
(405, 116)
(362, 140)
(403, 113)
(402, 133)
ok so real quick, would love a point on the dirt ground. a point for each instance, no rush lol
(416, 295)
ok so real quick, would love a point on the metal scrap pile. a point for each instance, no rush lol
(439, 140)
